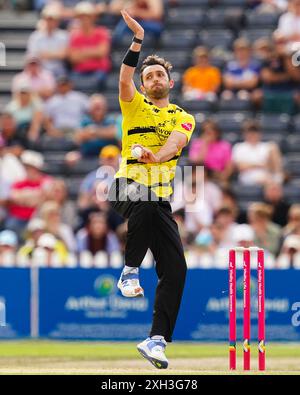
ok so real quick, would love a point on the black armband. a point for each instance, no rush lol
(131, 58)
(137, 40)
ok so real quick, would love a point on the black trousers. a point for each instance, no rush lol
(151, 225)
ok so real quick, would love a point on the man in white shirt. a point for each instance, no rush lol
(49, 43)
(65, 110)
(257, 161)
(289, 23)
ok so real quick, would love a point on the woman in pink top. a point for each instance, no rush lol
(211, 151)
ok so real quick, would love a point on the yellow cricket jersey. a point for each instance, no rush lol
(148, 125)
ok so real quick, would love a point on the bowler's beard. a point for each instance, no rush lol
(158, 92)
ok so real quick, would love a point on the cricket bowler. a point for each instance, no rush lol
(154, 134)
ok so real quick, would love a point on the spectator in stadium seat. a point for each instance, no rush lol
(212, 151)
(94, 188)
(289, 257)
(109, 158)
(26, 108)
(8, 248)
(50, 213)
(41, 81)
(199, 197)
(271, 6)
(267, 234)
(59, 194)
(97, 128)
(11, 169)
(225, 217)
(65, 110)
(202, 81)
(279, 81)
(49, 43)
(66, 8)
(27, 195)
(293, 225)
(256, 161)
(96, 236)
(241, 75)
(49, 252)
(273, 196)
(11, 137)
(35, 229)
(262, 49)
(148, 13)
(289, 24)
(89, 50)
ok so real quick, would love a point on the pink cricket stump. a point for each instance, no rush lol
(261, 309)
(247, 310)
(232, 310)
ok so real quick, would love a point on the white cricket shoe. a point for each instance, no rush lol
(154, 351)
(129, 285)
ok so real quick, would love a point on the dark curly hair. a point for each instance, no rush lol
(152, 60)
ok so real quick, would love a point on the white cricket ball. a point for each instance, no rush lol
(137, 152)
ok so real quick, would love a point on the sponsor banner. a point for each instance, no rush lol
(204, 311)
(14, 303)
(86, 304)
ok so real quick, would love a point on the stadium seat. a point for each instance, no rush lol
(274, 123)
(197, 105)
(83, 167)
(185, 17)
(232, 138)
(125, 42)
(231, 122)
(112, 82)
(113, 101)
(15, 40)
(4, 100)
(73, 185)
(277, 138)
(53, 168)
(192, 3)
(230, 3)
(293, 165)
(50, 144)
(256, 20)
(178, 39)
(18, 21)
(253, 34)
(296, 124)
(179, 59)
(293, 145)
(234, 104)
(5, 85)
(215, 38)
(292, 192)
(231, 18)
(15, 61)
(248, 192)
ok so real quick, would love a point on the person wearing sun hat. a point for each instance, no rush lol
(89, 49)
(26, 108)
(27, 194)
(50, 43)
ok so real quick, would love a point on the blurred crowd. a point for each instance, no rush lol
(60, 96)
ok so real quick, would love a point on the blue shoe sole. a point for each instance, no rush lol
(155, 362)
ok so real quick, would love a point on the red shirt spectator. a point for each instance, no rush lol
(27, 195)
(89, 46)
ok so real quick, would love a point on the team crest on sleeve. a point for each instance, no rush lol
(187, 126)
